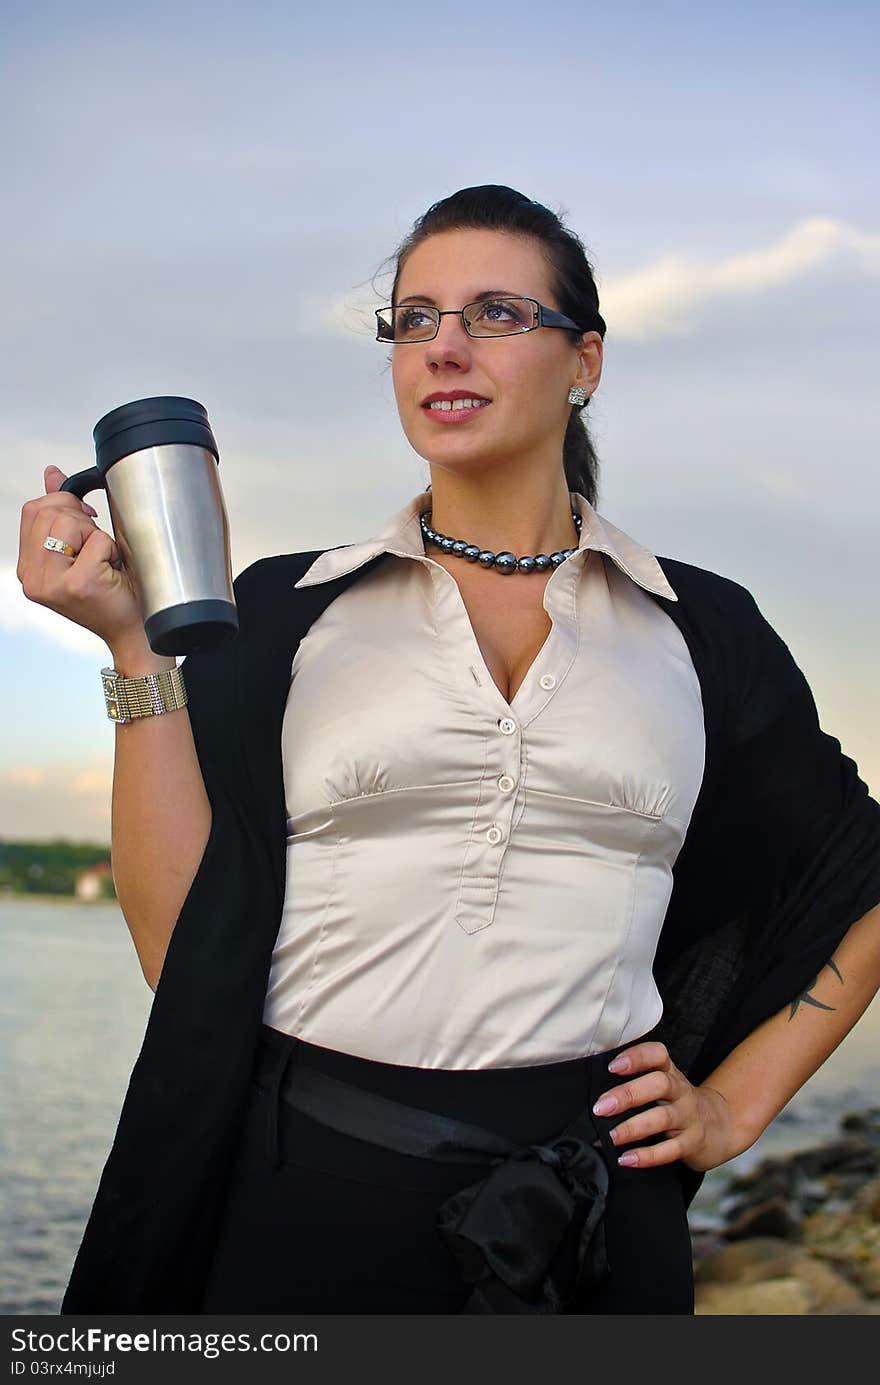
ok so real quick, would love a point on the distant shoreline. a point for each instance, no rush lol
(14, 896)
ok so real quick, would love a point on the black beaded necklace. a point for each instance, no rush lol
(503, 562)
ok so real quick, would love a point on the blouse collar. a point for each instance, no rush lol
(402, 536)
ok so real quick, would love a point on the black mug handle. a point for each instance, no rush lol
(84, 482)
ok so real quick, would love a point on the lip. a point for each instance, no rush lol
(452, 417)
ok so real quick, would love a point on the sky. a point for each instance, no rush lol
(199, 199)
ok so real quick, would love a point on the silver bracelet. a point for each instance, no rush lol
(150, 695)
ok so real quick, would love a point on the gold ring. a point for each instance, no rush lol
(59, 546)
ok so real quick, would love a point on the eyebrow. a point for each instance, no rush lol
(477, 298)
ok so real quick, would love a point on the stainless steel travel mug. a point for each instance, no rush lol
(158, 461)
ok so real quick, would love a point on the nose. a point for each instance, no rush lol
(451, 346)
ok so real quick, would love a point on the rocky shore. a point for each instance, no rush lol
(799, 1234)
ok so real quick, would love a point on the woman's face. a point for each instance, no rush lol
(525, 378)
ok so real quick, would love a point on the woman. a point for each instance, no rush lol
(436, 1027)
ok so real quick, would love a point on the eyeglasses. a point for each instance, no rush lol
(490, 317)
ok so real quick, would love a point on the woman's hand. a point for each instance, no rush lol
(91, 587)
(698, 1123)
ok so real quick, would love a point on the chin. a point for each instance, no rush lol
(451, 449)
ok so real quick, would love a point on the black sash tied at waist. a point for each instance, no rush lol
(528, 1237)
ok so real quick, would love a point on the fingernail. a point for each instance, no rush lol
(628, 1159)
(604, 1106)
(89, 511)
(619, 1064)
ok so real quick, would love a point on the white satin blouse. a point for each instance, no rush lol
(472, 883)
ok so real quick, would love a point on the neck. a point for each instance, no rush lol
(535, 521)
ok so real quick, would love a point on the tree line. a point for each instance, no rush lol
(54, 867)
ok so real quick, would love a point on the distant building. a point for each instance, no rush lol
(95, 883)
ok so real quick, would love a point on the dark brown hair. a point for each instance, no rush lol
(498, 208)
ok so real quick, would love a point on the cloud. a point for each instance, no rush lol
(665, 297)
(22, 616)
(64, 799)
(95, 779)
(79, 780)
(348, 315)
(27, 776)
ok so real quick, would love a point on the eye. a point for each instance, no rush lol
(414, 319)
(498, 309)
(503, 312)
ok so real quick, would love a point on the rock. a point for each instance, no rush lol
(770, 1298)
(800, 1234)
(770, 1218)
(804, 1181)
(866, 1274)
(848, 1309)
(759, 1257)
(824, 1229)
(830, 1288)
(865, 1305)
(764, 1258)
(771, 1178)
(867, 1200)
(812, 1193)
(847, 1183)
(705, 1244)
(850, 1243)
(841, 1233)
(865, 1123)
(855, 1154)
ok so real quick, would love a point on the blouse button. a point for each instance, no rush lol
(506, 783)
(548, 680)
(494, 835)
(507, 725)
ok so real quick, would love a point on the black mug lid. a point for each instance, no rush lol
(151, 423)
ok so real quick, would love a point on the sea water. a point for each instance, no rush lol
(73, 1009)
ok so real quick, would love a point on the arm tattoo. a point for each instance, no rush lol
(806, 999)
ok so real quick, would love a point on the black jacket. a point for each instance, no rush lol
(782, 855)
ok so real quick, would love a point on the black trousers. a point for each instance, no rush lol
(320, 1222)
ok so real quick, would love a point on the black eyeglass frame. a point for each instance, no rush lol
(546, 317)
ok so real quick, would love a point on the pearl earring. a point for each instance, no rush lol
(576, 395)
